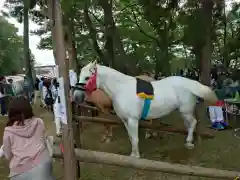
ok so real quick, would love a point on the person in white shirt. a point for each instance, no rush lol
(56, 106)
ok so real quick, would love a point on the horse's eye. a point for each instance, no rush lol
(87, 78)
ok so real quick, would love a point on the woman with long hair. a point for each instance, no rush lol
(24, 143)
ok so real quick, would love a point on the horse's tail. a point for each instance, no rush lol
(200, 90)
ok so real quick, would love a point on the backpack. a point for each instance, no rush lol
(49, 98)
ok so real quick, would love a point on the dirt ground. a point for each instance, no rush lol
(221, 152)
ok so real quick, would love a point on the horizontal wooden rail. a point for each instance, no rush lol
(142, 124)
(145, 164)
(88, 107)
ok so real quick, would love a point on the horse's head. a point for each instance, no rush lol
(88, 76)
(87, 71)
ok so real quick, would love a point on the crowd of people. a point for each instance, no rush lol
(24, 140)
(220, 77)
(48, 91)
(6, 89)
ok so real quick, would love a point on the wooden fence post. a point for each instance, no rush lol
(77, 135)
(68, 144)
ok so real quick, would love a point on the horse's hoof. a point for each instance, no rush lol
(103, 139)
(108, 140)
(147, 135)
(189, 145)
(135, 155)
(154, 134)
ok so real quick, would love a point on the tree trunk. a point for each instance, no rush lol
(225, 53)
(26, 43)
(51, 17)
(166, 69)
(71, 49)
(157, 63)
(207, 7)
(93, 35)
(70, 36)
(197, 50)
(109, 45)
(70, 172)
(126, 64)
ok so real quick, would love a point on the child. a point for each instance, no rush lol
(216, 116)
(24, 143)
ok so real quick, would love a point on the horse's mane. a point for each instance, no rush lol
(145, 77)
(104, 70)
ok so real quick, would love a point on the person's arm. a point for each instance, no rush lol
(42, 127)
(1, 152)
(47, 140)
(7, 147)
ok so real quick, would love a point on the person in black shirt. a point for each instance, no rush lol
(2, 96)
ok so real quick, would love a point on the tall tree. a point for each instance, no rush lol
(11, 45)
(27, 57)
(207, 9)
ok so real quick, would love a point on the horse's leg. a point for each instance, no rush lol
(153, 133)
(132, 129)
(187, 103)
(191, 123)
(148, 131)
(109, 134)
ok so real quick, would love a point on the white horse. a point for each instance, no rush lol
(169, 94)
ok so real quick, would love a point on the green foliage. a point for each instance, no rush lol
(11, 48)
(156, 35)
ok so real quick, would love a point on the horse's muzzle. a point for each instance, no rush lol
(79, 93)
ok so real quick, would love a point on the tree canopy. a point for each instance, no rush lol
(11, 48)
(158, 36)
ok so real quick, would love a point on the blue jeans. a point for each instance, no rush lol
(42, 171)
(3, 106)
